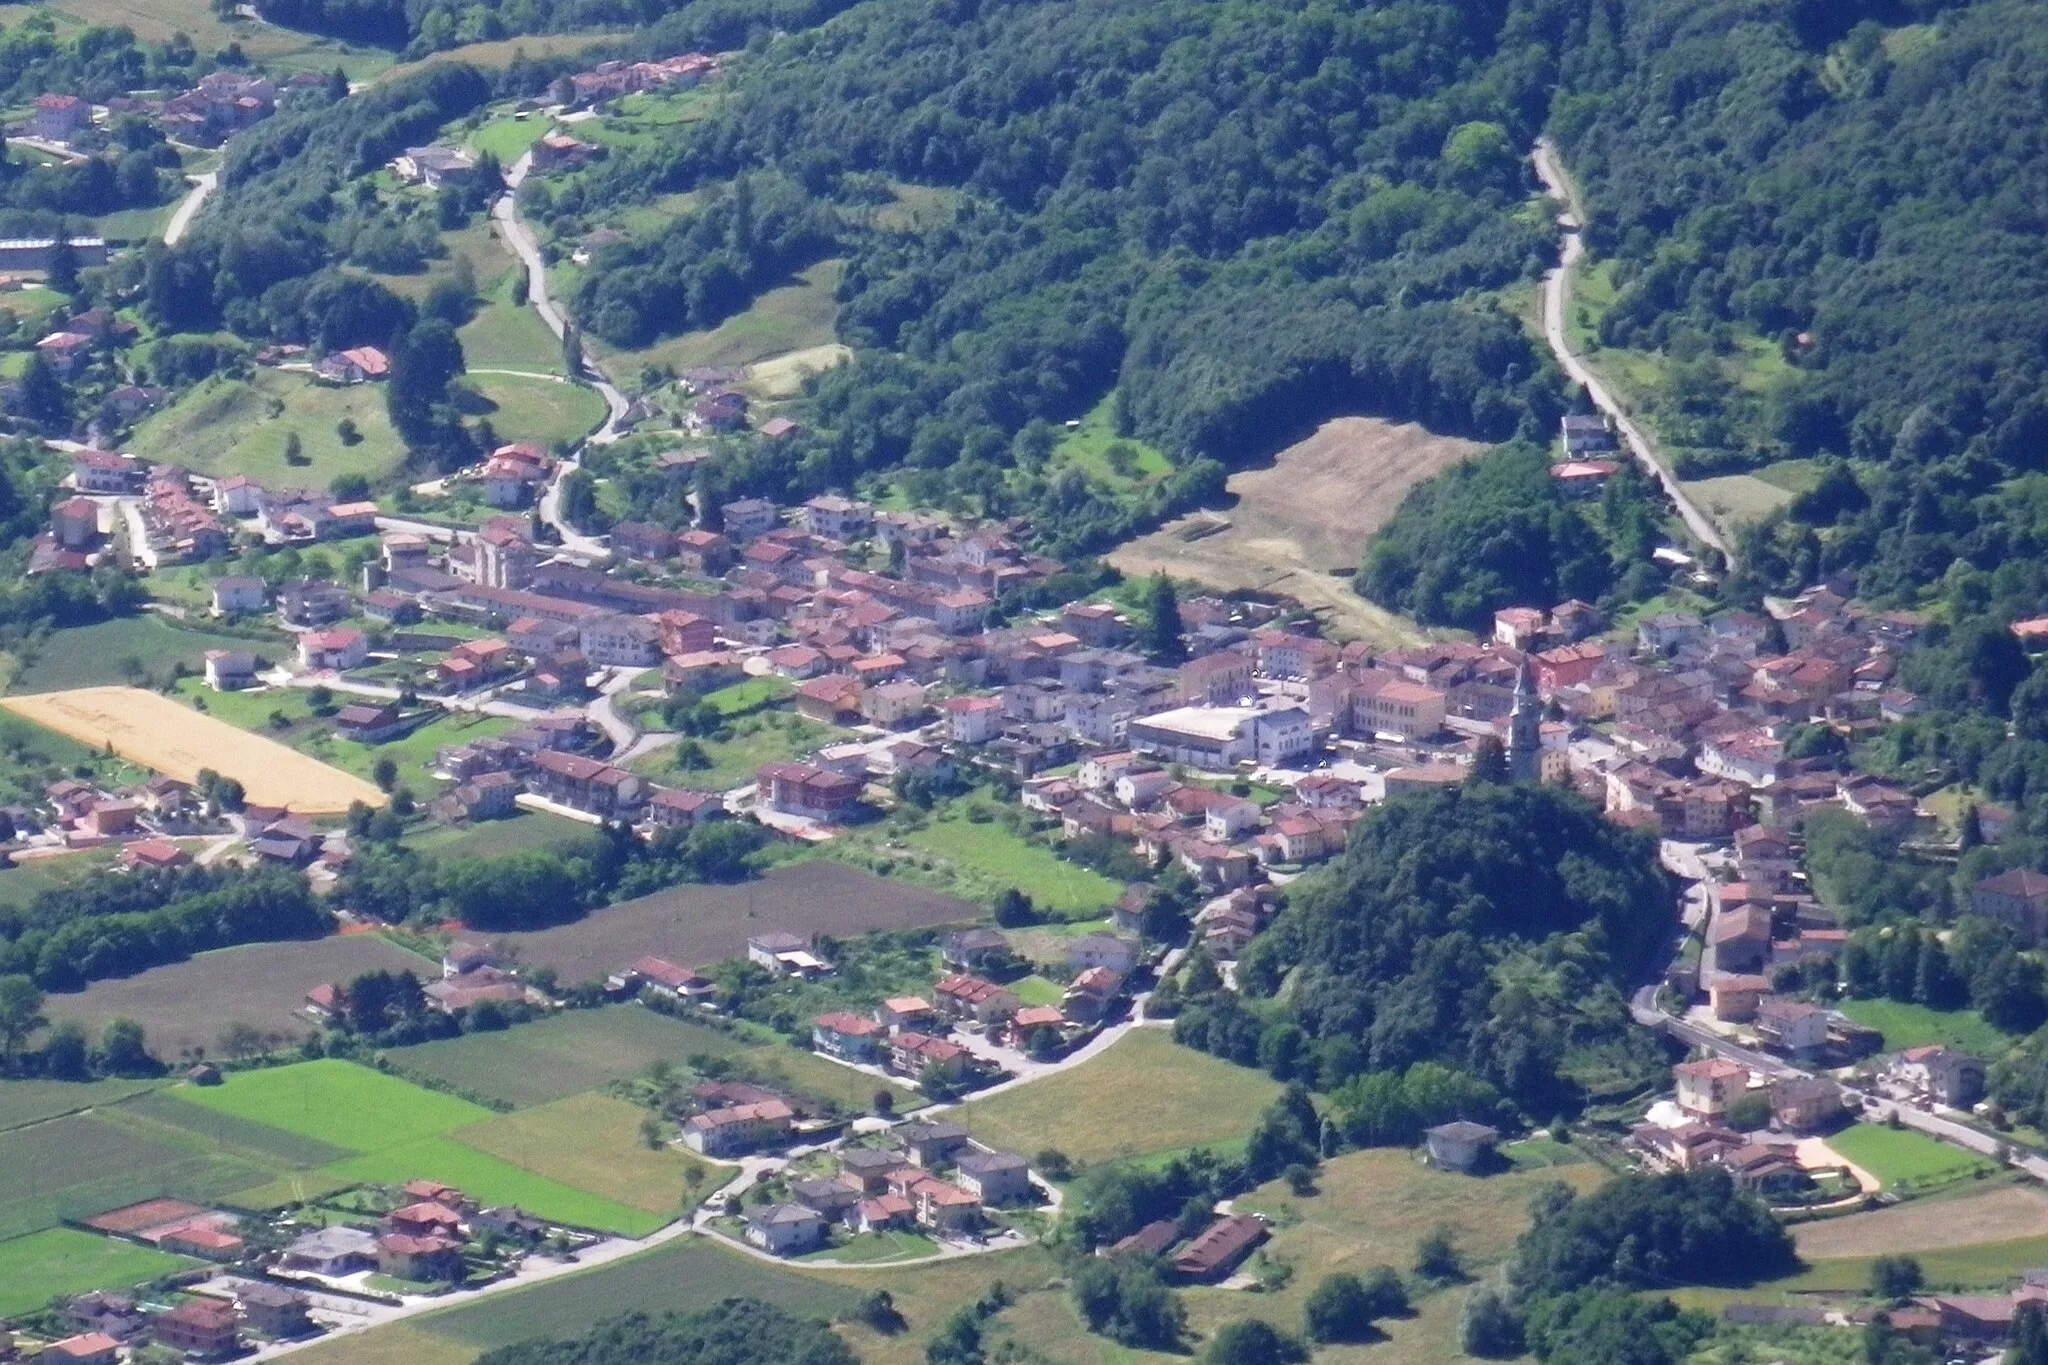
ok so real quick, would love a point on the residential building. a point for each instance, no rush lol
(837, 518)
(1102, 950)
(369, 723)
(785, 1229)
(1384, 703)
(339, 650)
(1793, 1027)
(586, 784)
(912, 1054)
(2018, 897)
(959, 996)
(737, 1129)
(1706, 1088)
(229, 670)
(746, 518)
(928, 1144)
(972, 720)
(1460, 1145)
(273, 1311)
(806, 789)
(86, 1348)
(848, 1037)
(1953, 1078)
(338, 1250)
(200, 1327)
(617, 641)
(1805, 1104)
(661, 977)
(682, 808)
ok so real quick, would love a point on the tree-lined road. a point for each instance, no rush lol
(1556, 295)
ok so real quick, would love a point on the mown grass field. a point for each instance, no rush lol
(30, 877)
(397, 1132)
(1908, 1025)
(990, 858)
(544, 411)
(240, 426)
(82, 1165)
(43, 1265)
(156, 21)
(23, 1102)
(1904, 1159)
(528, 829)
(1145, 1094)
(551, 1058)
(1986, 1265)
(110, 652)
(593, 1142)
(508, 336)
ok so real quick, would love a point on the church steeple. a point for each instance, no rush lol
(1525, 728)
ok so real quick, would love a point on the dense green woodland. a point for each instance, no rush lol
(1470, 945)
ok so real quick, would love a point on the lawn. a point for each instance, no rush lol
(528, 829)
(43, 1265)
(1906, 1025)
(1904, 1159)
(507, 138)
(337, 1102)
(1145, 1094)
(1087, 449)
(1983, 1266)
(766, 738)
(508, 336)
(551, 1058)
(140, 649)
(544, 411)
(1036, 990)
(490, 1180)
(23, 1102)
(30, 877)
(592, 1142)
(237, 426)
(751, 695)
(991, 858)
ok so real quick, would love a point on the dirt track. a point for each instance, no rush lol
(1999, 1215)
(1306, 518)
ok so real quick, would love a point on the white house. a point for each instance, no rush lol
(229, 670)
(336, 649)
(232, 596)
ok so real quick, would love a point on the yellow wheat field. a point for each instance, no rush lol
(156, 732)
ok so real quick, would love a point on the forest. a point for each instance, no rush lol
(1240, 218)
(1489, 930)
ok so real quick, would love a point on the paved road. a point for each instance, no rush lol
(1556, 294)
(202, 185)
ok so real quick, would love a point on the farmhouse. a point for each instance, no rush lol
(1217, 1249)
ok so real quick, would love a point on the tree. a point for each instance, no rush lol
(66, 1054)
(2029, 1343)
(1162, 622)
(957, 1342)
(1337, 1309)
(1896, 1278)
(579, 501)
(294, 449)
(347, 432)
(21, 1014)
(384, 772)
(1251, 1341)
(1489, 760)
(572, 351)
(1488, 1327)
(1436, 1256)
(1013, 909)
(63, 271)
(44, 399)
(124, 1050)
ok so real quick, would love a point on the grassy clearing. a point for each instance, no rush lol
(544, 411)
(350, 1106)
(498, 54)
(592, 1142)
(28, 879)
(680, 1276)
(1145, 1094)
(24, 1102)
(759, 739)
(128, 649)
(1736, 498)
(508, 336)
(507, 138)
(155, 21)
(1904, 1159)
(43, 1265)
(752, 695)
(569, 1052)
(990, 857)
(793, 317)
(1907, 1025)
(240, 426)
(1087, 449)
(529, 829)
(1988, 1265)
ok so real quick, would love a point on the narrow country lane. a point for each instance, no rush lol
(188, 208)
(1556, 296)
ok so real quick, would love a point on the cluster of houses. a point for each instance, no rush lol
(932, 1176)
(221, 104)
(613, 80)
(213, 1322)
(422, 1241)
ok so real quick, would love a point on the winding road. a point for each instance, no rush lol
(505, 213)
(188, 209)
(1556, 295)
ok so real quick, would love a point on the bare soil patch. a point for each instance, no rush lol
(1300, 525)
(694, 925)
(156, 732)
(188, 1004)
(1999, 1215)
